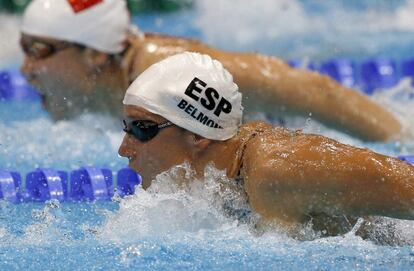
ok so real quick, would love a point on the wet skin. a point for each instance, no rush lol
(165, 150)
(267, 84)
(288, 176)
(73, 80)
(171, 146)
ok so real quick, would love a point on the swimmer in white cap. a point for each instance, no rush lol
(187, 108)
(82, 54)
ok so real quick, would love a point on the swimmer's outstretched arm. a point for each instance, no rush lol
(289, 176)
(268, 84)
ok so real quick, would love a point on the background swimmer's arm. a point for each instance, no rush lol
(268, 83)
(288, 177)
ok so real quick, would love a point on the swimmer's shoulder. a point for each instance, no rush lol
(259, 131)
(264, 143)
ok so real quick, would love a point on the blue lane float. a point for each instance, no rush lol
(10, 185)
(378, 74)
(127, 180)
(302, 64)
(46, 184)
(91, 183)
(370, 75)
(14, 87)
(84, 184)
(407, 67)
(342, 70)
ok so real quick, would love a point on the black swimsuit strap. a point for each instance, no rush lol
(239, 179)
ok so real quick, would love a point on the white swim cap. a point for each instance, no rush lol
(192, 91)
(99, 24)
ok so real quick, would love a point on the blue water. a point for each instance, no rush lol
(171, 229)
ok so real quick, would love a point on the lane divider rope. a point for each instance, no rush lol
(84, 184)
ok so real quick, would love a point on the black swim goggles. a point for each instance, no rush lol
(40, 49)
(144, 130)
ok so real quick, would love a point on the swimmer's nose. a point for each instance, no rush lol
(125, 149)
(27, 67)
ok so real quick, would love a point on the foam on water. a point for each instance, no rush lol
(216, 206)
(166, 208)
(28, 143)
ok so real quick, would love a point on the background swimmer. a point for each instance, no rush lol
(88, 70)
(289, 177)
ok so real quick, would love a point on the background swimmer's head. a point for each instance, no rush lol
(199, 97)
(72, 77)
(71, 47)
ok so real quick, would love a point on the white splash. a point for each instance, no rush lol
(165, 208)
(403, 18)
(200, 211)
(87, 140)
(46, 228)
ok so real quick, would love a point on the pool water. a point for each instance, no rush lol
(171, 228)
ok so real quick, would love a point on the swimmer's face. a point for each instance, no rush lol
(51, 64)
(60, 70)
(171, 146)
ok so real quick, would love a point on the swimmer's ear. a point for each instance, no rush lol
(95, 59)
(201, 143)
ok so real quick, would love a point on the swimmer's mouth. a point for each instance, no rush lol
(32, 79)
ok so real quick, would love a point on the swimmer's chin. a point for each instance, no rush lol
(39, 87)
(132, 166)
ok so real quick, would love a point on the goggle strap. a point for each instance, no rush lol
(168, 123)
